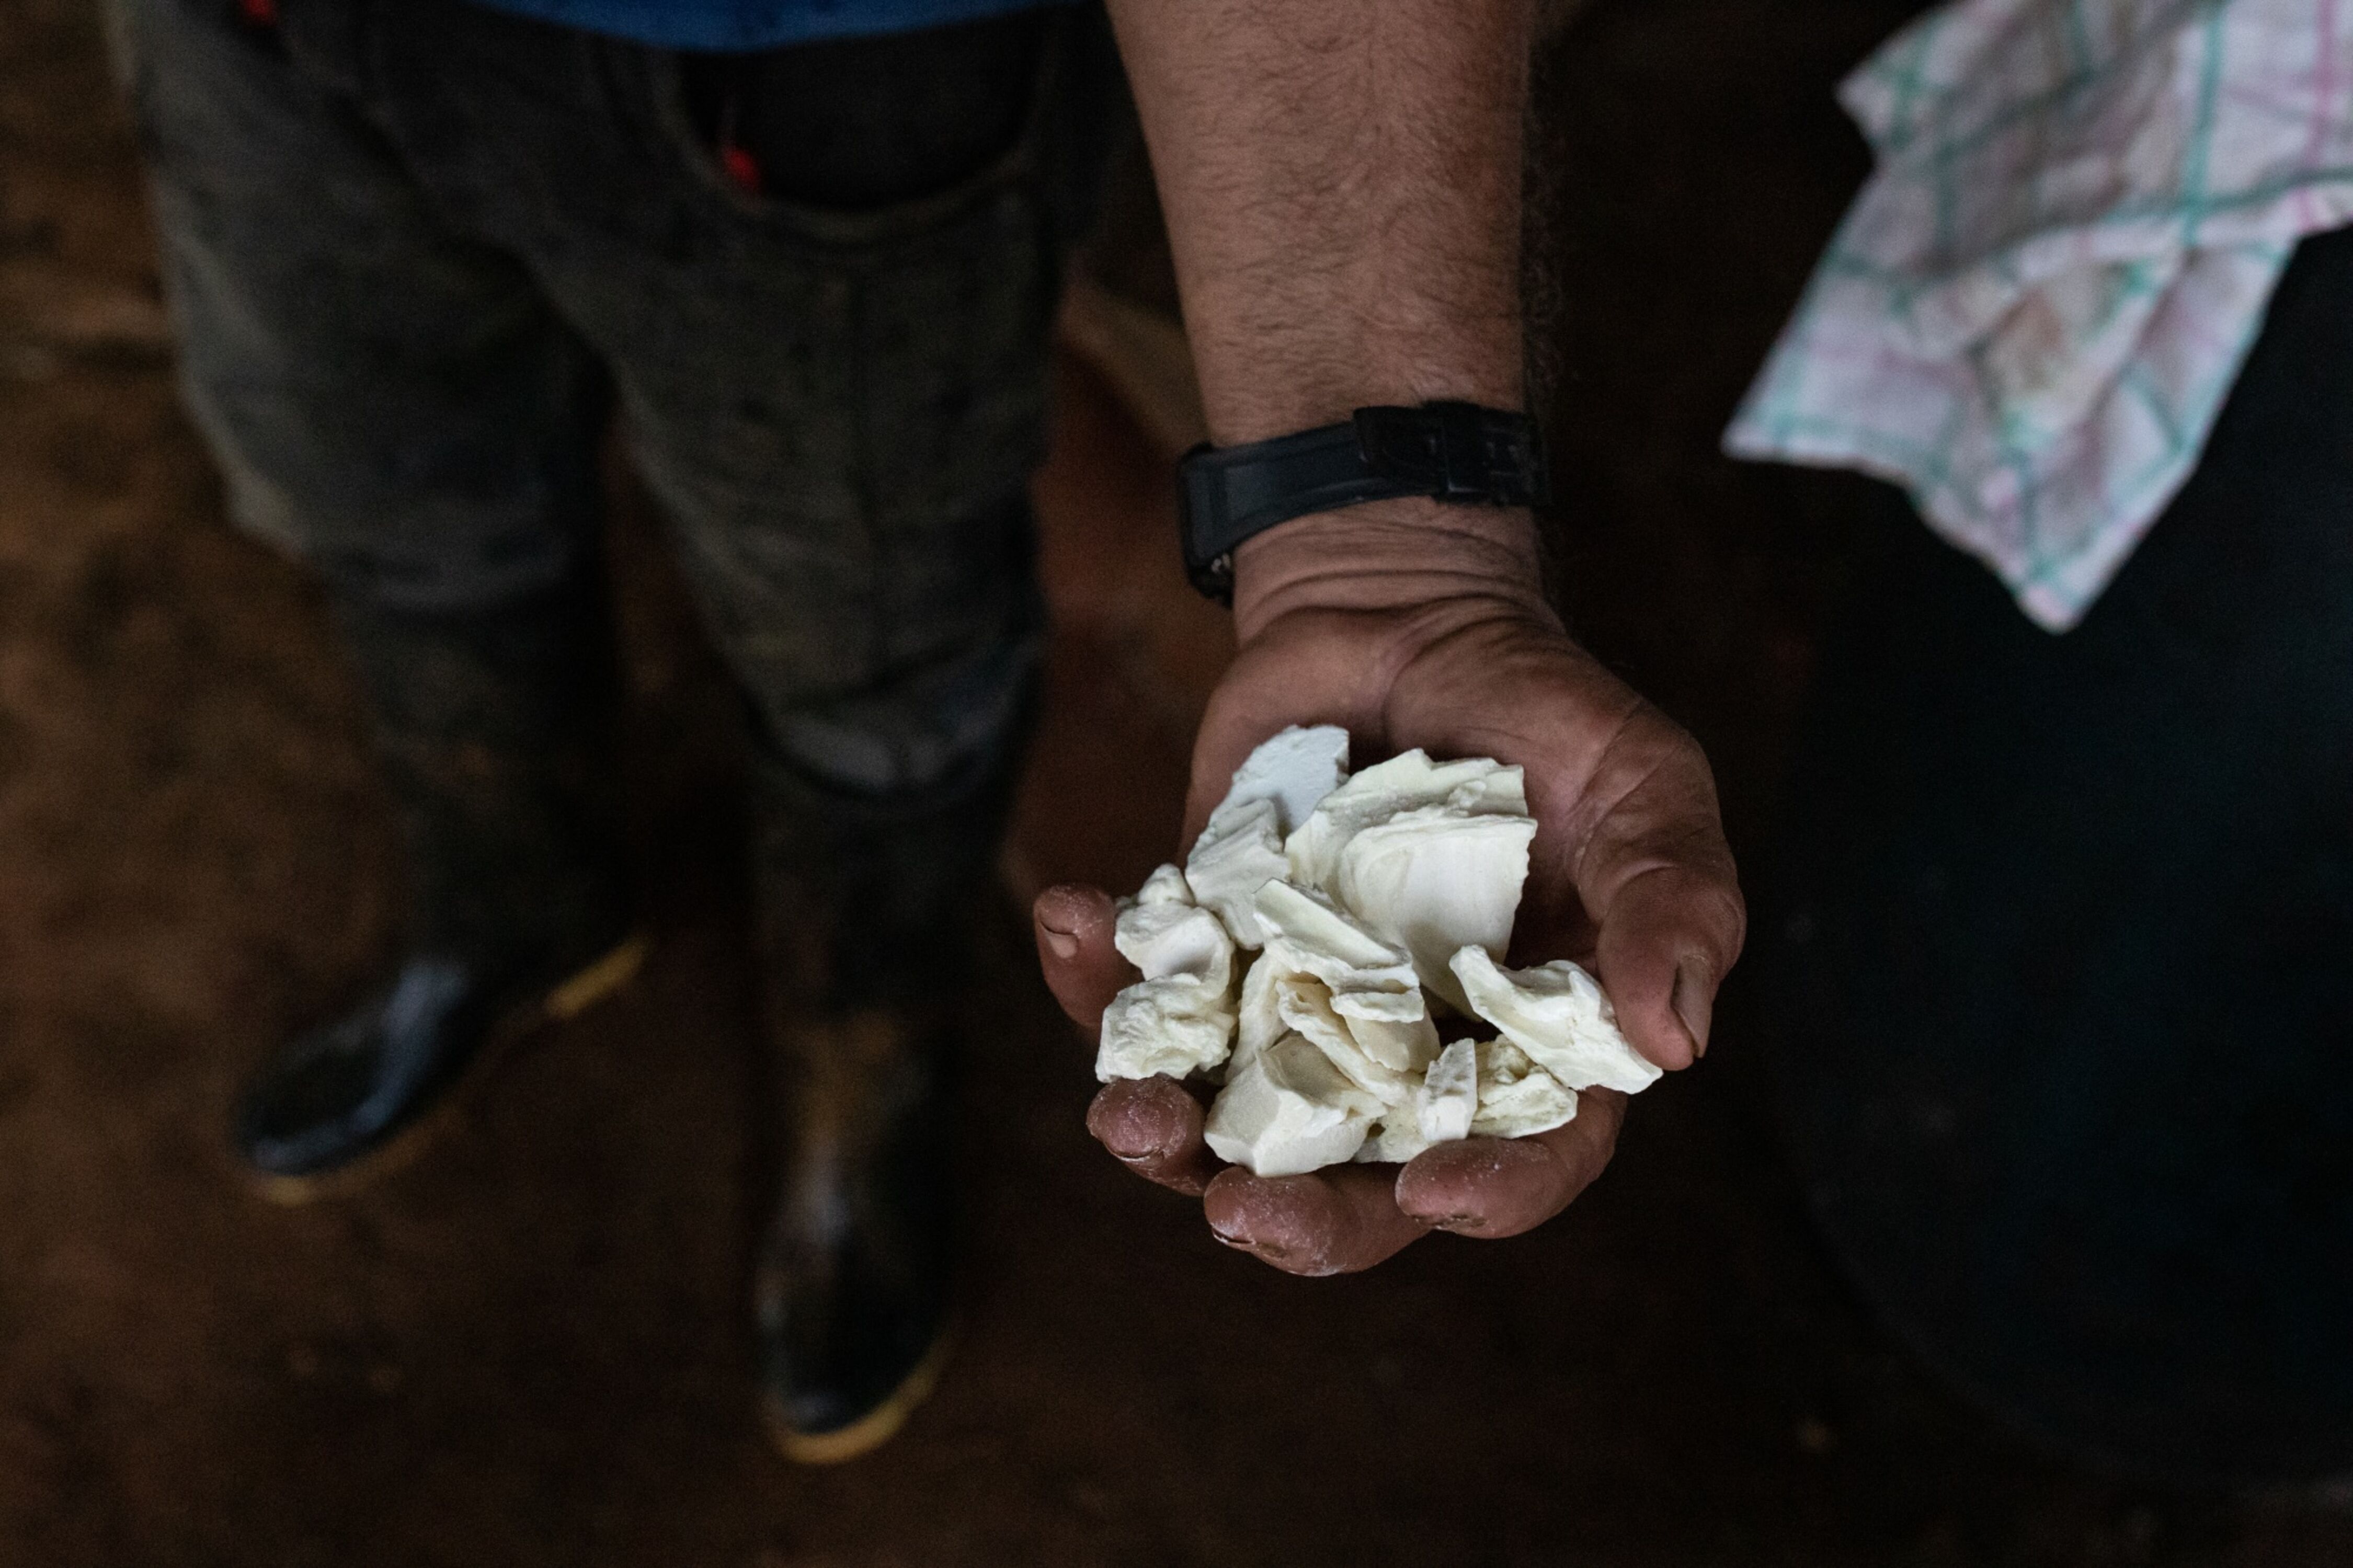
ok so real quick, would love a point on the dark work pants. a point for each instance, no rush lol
(417, 251)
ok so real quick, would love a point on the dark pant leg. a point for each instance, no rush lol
(394, 403)
(838, 405)
(389, 400)
(2063, 1010)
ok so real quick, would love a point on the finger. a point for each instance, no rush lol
(1335, 1221)
(1154, 1128)
(1668, 937)
(1073, 927)
(1494, 1187)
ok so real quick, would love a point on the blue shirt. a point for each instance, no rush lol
(754, 23)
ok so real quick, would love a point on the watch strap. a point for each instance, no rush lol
(1457, 453)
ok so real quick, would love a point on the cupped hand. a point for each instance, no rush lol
(1414, 625)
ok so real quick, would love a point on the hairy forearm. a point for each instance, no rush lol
(1342, 179)
(1342, 183)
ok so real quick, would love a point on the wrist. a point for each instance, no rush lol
(1391, 556)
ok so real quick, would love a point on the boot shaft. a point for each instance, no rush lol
(494, 730)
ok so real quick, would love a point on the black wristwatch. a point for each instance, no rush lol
(1454, 452)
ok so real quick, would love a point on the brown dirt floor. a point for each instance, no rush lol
(529, 1348)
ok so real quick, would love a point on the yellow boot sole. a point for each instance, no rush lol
(870, 1431)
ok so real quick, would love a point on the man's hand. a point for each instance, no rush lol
(1342, 185)
(1413, 629)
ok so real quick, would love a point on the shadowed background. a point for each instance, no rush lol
(531, 1348)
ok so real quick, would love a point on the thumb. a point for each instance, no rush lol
(1669, 934)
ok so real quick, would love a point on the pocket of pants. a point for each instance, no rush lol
(730, 187)
(862, 123)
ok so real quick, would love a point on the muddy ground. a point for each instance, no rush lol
(529, 1348)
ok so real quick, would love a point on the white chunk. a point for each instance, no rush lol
(1514, 1097)
(1164, 886)
(1179, 1018)
(1289, 1111)
(1517, 1098)
(1443, 1109)
(1321, 941)
(1162, 937)
(1393, 1028)
(1394, 1140)
(1273, 792)
(1306, 1006)
(1162, 1027)
(1435, 879)
(1295, 770)
(1558, 1014)
(1260, 1018)
(1407, 781)
(1450, 1096)
(1239, 852)
(1371, 984)
(1428, 855)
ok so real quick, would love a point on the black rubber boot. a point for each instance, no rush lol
(867, 910)
(492, 729)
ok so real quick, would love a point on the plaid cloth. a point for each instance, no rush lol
(2032, 313)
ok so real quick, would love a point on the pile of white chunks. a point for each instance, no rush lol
(1330, 953)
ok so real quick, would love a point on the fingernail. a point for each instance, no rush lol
(1695, 1002)
(1064, 945)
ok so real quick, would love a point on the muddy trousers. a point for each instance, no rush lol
(418, 253)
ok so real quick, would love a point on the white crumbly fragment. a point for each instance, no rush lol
(1490, 1090)
(1289, 1111)
(1407, 781)
(1372, 985)
(1167, 885)
(1166, 935)
(1395, 1139)
(1179, 1018)
(1321, 941)
(1557, 1014)
(1237, 853)
(1241, 847)
(1436, 879)
(1306, 1006)
(1517, 1098)
(1159, 1027)
(1443, 1108)
(1295, 770)
(1260, 1018)
(1393, 1027)
(1428, 855)
(1449, 1101)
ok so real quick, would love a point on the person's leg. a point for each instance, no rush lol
(888, 761)
(831, 354)
(399, 409)
(2060, 1001)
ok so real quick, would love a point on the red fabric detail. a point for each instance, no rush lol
(741, 167)
(260, 13)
